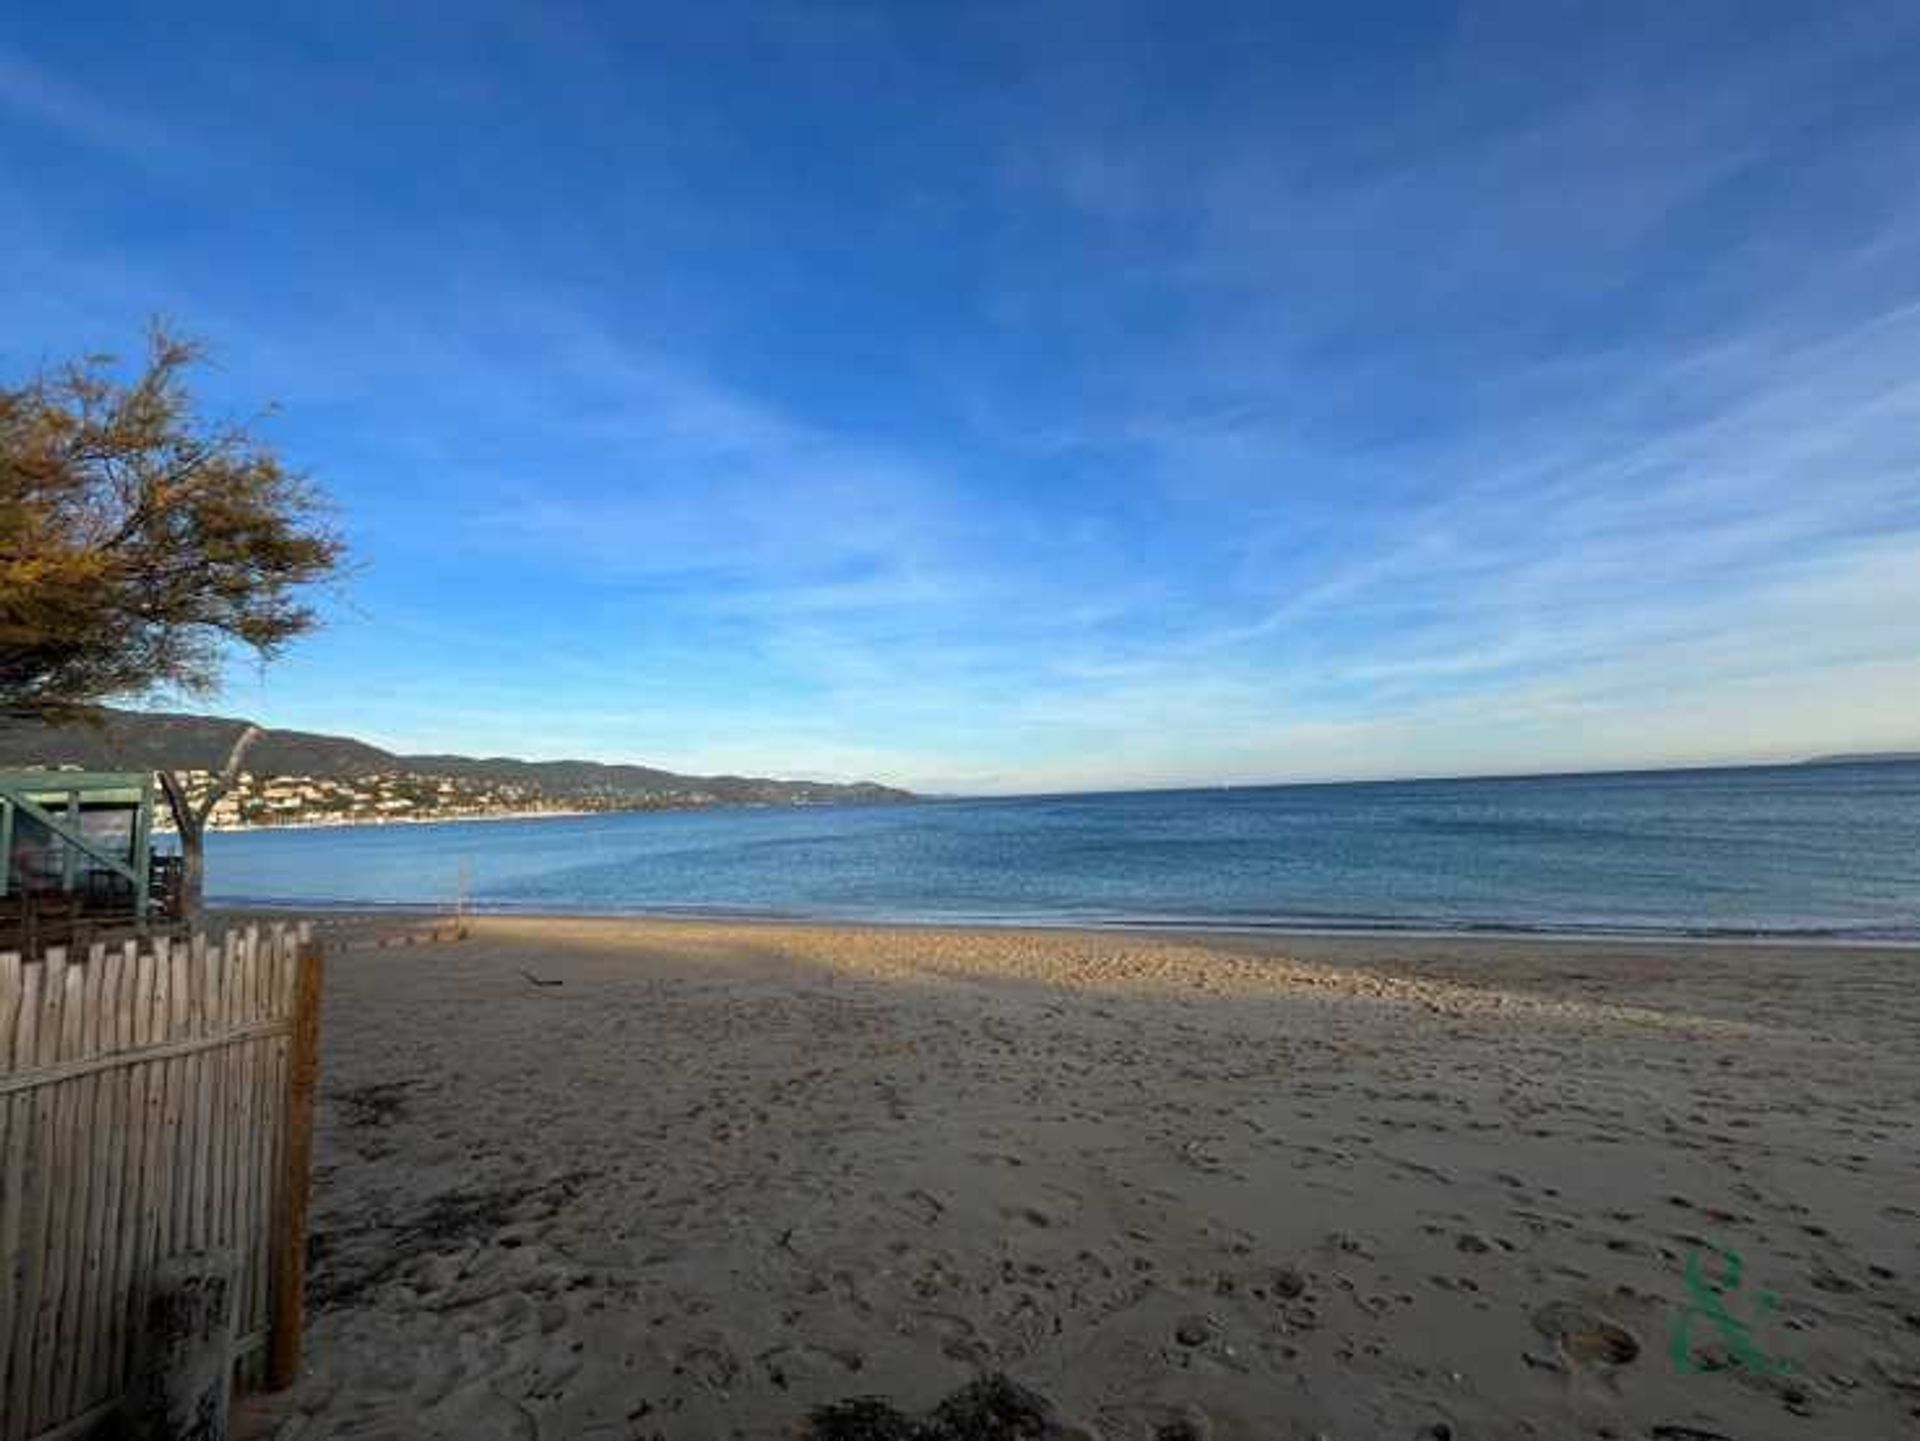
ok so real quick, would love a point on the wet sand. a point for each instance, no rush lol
(635, 1179)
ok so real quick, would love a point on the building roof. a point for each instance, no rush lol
(130, 787)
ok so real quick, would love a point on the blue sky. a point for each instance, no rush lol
(1000, 398)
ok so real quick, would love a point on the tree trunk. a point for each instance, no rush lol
(191, 822)
(193, 871)
(193, 845)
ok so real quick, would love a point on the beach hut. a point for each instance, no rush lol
(78, 852)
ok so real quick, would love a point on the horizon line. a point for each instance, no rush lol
(1836, 759)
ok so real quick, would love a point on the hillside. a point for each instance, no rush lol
(298, 762)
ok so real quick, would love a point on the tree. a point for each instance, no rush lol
(190, 813)
(139, 543)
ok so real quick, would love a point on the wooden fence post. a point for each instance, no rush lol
(290, 1265)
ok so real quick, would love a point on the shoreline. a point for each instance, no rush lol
(377, 822)
(1198, 929)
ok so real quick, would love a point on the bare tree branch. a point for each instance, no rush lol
(176, 793)
(229, 773)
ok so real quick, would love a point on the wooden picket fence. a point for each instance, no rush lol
(156, 1100)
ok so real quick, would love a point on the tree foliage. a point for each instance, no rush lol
(139, 540)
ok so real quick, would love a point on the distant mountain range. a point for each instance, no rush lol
(1864, 758)
(140, 740)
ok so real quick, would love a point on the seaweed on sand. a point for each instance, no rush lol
(992, 1408)
(380, 1104)
(351, 1260)
(863, 1418)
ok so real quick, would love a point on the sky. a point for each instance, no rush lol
(1002, 398)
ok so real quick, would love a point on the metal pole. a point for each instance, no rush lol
(71, 856)
(143, 853)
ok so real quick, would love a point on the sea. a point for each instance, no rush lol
(1815, 851)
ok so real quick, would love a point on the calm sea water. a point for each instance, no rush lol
(1824, 850)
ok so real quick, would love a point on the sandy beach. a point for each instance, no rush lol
(687, 1180)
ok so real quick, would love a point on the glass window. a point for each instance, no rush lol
(37, 858)
(109, 828)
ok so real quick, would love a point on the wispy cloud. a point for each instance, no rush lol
(1483, 401)
(54, 103)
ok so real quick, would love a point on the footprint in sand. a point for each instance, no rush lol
(958, 1337)
(708, 1362)
(1166, 1423)
(996, 1158)
(925, 1206)
(803, 1362)
(1288, 1284)
(1828, 1280)
(1585, 1337)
